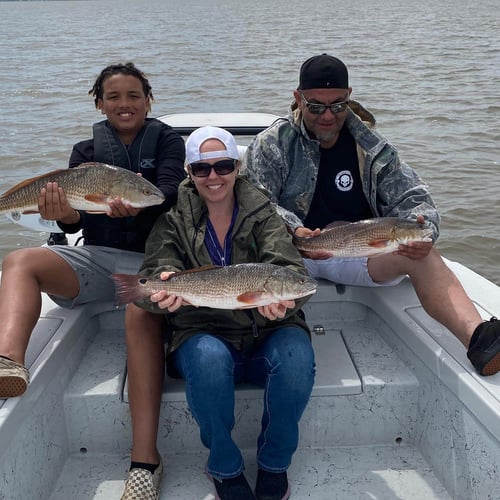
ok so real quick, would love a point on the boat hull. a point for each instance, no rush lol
(396, 410)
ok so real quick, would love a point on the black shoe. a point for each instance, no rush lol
(272, 486)
(236, 488)
(484, 347)
(57, 239)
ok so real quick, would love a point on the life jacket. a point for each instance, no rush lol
(127, 233)
(140, 156)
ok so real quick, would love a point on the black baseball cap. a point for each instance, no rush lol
(323, 72)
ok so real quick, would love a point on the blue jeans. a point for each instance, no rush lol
(283, 364)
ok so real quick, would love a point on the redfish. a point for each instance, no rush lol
(365, 238)
(240, 286)
(88, 187)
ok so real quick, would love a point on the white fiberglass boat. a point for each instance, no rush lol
(397, 411)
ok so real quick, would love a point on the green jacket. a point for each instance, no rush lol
(259, 235)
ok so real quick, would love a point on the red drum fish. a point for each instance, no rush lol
(239, 286)
(365, 238)
(88, 187)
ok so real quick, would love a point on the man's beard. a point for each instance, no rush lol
(326, 136)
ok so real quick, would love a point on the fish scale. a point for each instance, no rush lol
(239, 286)
(366, 238)
(89, 187)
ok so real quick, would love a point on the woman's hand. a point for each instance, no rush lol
(276, 310)
(164, 300)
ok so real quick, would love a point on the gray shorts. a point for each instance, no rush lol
(94, 265)
(345, 271)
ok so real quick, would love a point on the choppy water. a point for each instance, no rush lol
(430, 73)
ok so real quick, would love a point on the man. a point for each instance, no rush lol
(113, 242)
(324, 162)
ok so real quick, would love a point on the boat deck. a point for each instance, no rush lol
(352, 444)
(396, 412)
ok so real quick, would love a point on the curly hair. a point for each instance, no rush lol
(116, 69)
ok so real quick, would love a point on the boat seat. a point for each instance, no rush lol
(41, 336)
(336, 374)
(335, 370)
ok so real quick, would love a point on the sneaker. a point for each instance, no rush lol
(14, 378)
(484, 347)
(143, 485)
(272, 486)
(57, 239)
(235, 488)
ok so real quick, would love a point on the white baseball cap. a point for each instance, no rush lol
(202, 134)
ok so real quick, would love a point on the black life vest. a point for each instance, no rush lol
(128, 233)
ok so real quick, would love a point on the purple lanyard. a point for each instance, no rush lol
(220, 256)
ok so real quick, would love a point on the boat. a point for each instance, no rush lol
(397, 411)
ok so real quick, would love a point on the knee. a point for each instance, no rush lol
(295, 357)
(139, 322)
(431, 263)
(212, 352)
(208, 357)
(18, 259)
(293, 346)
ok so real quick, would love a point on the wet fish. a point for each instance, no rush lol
(365, 238)
(240, 286)
(89, 187)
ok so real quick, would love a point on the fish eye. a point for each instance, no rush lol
(143, 281)
(146, 192)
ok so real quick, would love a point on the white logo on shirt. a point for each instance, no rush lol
(344, 180)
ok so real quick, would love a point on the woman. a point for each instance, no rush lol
(221, 219)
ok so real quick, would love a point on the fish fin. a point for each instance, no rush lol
(194, 270)
(317, 254)
(251, 298)
(298, 239)
(27, 182)
(379, 243)
(128, 289)
(30, 212)
(336, 223)
(89, 164)
(95, 212)
(96, 198)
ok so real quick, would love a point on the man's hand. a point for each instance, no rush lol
(416, 249)
(53, 205)
(119, 209)
(304, 232)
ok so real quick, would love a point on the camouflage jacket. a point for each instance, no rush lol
(284, 160)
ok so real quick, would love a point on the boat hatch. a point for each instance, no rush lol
(336, 374)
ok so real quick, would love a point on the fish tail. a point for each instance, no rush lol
(128, 289)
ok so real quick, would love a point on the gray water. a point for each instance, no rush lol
(429, 71)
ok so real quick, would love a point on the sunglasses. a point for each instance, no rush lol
(319, 109)
(222, 167)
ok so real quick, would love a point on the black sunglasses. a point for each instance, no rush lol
(222, 167)
(319, 109)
